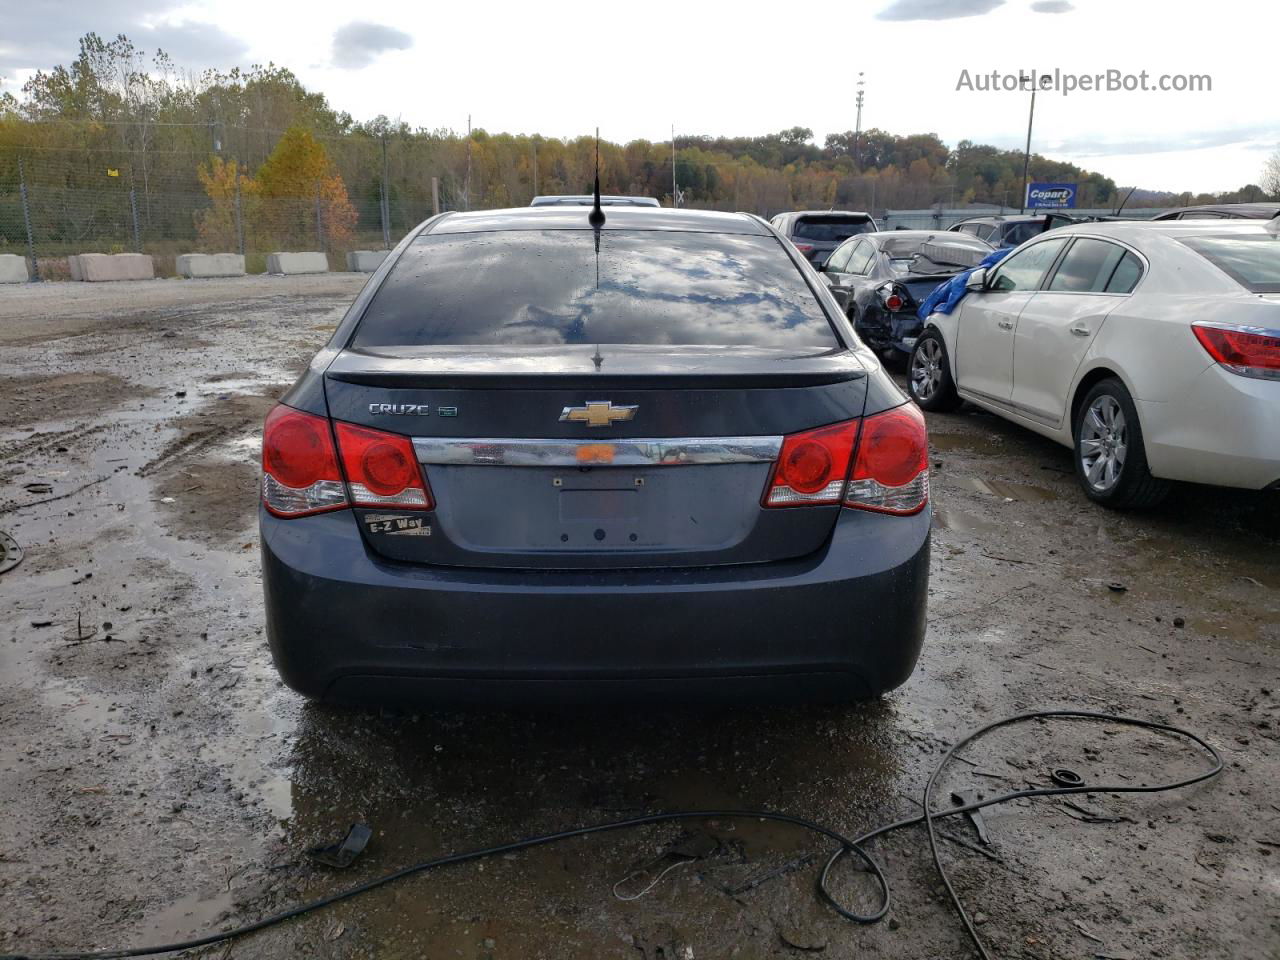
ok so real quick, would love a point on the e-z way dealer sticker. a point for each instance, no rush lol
(397, 523)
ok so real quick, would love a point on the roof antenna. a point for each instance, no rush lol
(596, 216)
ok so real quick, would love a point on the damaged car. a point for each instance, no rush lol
(881, 279)
(654, 460)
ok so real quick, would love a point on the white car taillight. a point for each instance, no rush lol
(1247, 351)
(300, 474)
(891, 472)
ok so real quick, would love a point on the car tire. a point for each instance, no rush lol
(1109, 453)
(929, 379)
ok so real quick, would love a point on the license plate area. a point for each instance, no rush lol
(594, 509)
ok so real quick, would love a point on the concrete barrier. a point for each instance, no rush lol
(365, 261)
(13, 268)
(197, 266)
(291, 263)
(98, 267)
(73, 264)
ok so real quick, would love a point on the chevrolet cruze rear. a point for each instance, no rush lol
(539, 460)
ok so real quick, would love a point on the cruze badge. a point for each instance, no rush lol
(599, 413)
(411, 410)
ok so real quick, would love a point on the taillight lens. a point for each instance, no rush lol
(805, 248)
(1248, 351)
(300, 472)
(381, 468)
(812, 466)
(892, 298)
(891, 471)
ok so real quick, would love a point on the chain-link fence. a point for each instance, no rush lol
(168, 189)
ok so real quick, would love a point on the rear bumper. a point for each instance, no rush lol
(1223, 430)
(345, 625)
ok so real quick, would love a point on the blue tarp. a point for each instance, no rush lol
(946, 295)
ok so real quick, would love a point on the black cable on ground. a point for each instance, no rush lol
(846, 845)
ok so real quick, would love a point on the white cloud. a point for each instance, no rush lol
(359, 44)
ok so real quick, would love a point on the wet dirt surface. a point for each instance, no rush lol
(157, 780)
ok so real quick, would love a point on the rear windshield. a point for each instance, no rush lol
(552, 287)
(1020, 233)
(1252, 261)
(832, 228)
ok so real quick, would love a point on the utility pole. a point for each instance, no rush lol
(675, 186)
(466, 185)
(1026, 157)
(386, 200)
(535, 166)
(435, 196)
(26, 220)
(857, 135)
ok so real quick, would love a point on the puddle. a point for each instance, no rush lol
(979, 443)
(1008, 490)
(951, 518)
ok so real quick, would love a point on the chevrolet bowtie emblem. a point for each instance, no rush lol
(599, 413)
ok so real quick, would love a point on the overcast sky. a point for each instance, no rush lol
(561, 68)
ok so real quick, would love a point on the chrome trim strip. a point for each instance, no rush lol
(667, 451)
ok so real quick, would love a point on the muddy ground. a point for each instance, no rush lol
(156, 779)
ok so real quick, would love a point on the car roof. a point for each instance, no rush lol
(579, 199)
(1136, 231)
(616, 218)
(1001, 218)
(828, 213)
(1255, 211)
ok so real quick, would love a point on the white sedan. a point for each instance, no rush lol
(1152, 349)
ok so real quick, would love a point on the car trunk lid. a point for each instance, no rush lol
(605, 457)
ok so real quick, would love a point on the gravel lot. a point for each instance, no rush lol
(157, 780)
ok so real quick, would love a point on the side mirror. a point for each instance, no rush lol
(977, 281)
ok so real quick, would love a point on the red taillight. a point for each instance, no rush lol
(1248, 351)
(812, 466)
(892, 298)
(299, 465)
(381, 468)
(891, 471)
(804, 248)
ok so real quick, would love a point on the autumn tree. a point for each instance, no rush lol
(296, 185)
(218, 226)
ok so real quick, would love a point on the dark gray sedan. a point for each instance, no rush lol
(882, 278)
(539, 460)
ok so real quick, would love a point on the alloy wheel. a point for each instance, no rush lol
(926, 368)
(1103, 443)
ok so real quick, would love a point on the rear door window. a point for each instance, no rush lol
(1026, 268)
(554, 287)
(1126, 276)
(837, 262)
(860, 258)
(1087, 266)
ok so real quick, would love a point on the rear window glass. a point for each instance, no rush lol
(552, 286)
(834, 229)
(1252, 261)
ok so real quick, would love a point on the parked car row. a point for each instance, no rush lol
(664, 421)
(1150, 348)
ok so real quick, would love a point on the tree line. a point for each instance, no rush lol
(115, 116)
